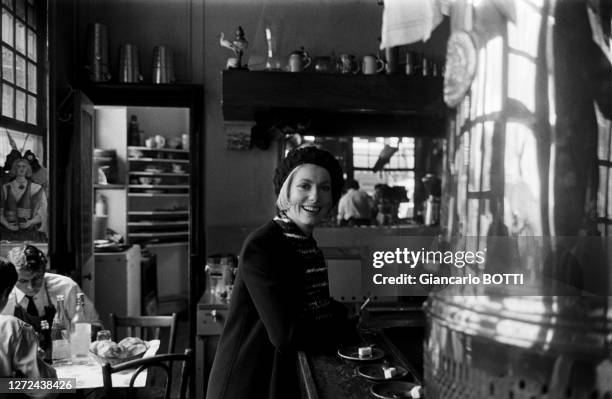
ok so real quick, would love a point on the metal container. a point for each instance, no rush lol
(526, 180)
(163, 65)
(129, 64)
(97, 62)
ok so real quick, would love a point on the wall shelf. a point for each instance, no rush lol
(338, 104)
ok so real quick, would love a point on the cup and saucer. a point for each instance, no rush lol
(177, 168)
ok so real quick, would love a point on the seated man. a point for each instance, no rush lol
(19, 345)
(34, 297)
(355, 206)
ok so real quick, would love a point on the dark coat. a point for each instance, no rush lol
(257, 352)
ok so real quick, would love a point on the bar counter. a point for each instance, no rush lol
(328, 376)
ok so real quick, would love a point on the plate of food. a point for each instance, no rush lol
(381, 372)
(361, 353)
(127, 349)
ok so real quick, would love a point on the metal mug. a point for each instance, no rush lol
(298, 61)
(372, 65)
(163, 65)
(129, 64)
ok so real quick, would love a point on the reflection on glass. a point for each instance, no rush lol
(20, 37)
(20, 109)
(7, 100)
(7, 65)
(475, 159)
(31, 16)
(32, 109)
(31, 45)
(521, 80)
(526, 26)
(32, 77)
(20, 70)
(8, 3)
(487, 155)
(7, 28)
(20, 8)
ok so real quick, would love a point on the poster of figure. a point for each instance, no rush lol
(23, 196)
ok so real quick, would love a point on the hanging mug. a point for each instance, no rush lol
(372, 65)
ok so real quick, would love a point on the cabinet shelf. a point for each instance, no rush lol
(158, 234)
(158, 223)
(160, 186)
(110, 186)
(158, 213)
(164, 160)
(158, 195)
(174, 150)
(166, 174)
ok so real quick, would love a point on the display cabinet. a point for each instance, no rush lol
(153, 191)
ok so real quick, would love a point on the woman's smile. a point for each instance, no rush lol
(310, 197)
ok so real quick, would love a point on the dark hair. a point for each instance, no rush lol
(8, 276)
(315, 156)
(28, 257)
(354, 184)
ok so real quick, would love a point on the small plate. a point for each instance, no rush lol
(352, 353)
(375, 372)
(392, 390)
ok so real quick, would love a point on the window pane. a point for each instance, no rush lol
(20, 69)
(20, 8)
(20, 37)
(31, 17)
(7, 100)
(31, 77)
(32, 110)
(31, 45)
(20, 110)
(8, 69)
(7, 27)
(8, 3)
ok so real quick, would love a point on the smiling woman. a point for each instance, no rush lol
(281, 303)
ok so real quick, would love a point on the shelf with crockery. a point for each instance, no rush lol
(132, 150)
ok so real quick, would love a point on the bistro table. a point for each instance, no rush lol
(90, 375)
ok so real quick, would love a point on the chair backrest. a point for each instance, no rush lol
(163, 362)
(145, 327)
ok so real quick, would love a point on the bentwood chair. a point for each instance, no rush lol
(145, 327)
(163, 362)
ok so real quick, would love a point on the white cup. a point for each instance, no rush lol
(232, 63)
(150, 142)
(160, 141)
